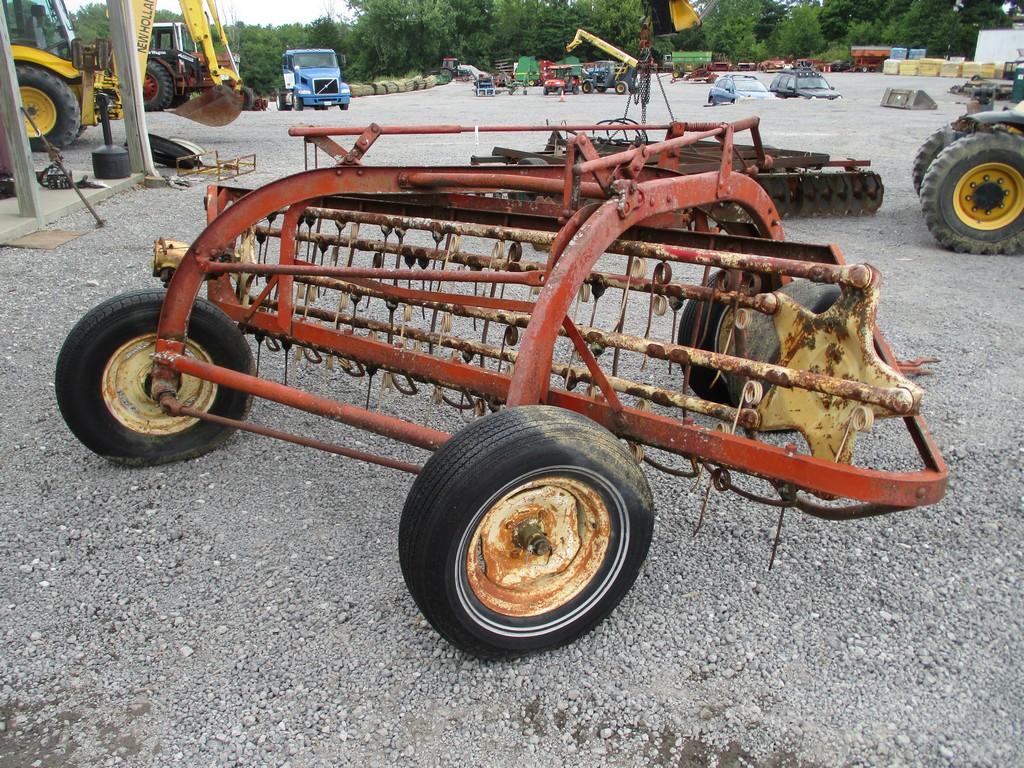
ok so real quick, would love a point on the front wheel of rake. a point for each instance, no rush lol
(524, 531)
(973, 194)
(102, 381)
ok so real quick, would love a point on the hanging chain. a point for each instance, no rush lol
(646, 66)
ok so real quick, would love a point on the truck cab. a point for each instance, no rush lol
(312, 78)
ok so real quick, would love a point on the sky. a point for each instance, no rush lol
(256, 11)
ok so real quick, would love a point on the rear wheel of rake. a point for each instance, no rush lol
(762, 340)
(103, 372)
(524, 531)
(706, 383)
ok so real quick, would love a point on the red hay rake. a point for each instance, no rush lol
(588, 319)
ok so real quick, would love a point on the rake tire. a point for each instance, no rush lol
(84, 367)
(474, 474)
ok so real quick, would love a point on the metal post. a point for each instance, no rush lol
(14, 130)
(130, 83)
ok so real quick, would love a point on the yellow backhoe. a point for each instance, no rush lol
(60, 77)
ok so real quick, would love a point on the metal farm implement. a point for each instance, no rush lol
(800, 183)
(547, 332)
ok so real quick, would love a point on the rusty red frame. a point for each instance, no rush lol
(601, 199)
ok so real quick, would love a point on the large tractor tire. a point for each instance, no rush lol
(973, 194)
(52, 105)
(157, 88)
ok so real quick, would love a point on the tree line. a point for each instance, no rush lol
(394, 38)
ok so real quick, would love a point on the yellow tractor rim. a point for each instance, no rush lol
(42, 110)
(125, 388)
(538, 546)
(989, 196)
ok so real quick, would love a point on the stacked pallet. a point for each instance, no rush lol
(929, 67)
(942, 68)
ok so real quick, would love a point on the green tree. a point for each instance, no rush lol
(773, 13)
(90, 21)
(837, 16)
(800, 34)
(325, 32)
(865, 33)
(937, 26)
(729, 29)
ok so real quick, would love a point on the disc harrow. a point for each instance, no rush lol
(541, 335)
(801, 184)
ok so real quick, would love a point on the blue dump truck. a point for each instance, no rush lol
(312, 78)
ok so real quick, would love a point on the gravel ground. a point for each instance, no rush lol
(247, 608)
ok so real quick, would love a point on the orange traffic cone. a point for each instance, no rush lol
(562, 96)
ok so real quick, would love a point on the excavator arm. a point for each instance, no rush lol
(215, 16)
(199, 27)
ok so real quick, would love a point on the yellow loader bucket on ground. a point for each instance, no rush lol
(217, 106)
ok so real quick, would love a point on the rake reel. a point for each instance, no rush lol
(544, 334)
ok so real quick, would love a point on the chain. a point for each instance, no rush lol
(645, 66)
(661, 86)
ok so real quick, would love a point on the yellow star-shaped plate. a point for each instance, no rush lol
(839, 342)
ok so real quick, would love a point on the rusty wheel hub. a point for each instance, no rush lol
(538, 546)
(125, 388)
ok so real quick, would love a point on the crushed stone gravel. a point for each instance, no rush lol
(246, 608)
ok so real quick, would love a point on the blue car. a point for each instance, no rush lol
(728, 89)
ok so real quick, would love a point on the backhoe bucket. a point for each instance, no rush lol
(215, 107)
